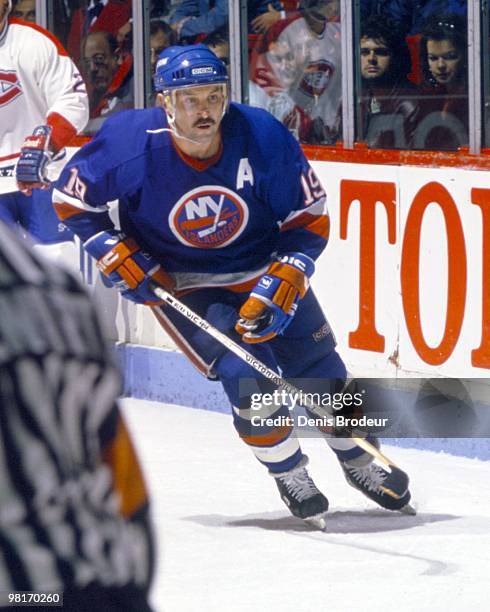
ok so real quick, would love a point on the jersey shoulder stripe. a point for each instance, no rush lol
(19, 23)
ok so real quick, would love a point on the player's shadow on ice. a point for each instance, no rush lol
(349, 521)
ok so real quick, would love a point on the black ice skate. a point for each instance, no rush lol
(299, 493)
(389, 489)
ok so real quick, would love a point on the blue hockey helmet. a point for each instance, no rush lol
(187, 66)
(183, 67)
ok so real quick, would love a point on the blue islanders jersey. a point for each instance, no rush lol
(214, 222)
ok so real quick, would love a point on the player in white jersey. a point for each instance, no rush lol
(41, 91)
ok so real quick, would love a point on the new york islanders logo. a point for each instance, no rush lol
(316, 77)
(9, 87)
(208, 217)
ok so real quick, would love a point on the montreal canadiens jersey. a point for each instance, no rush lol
(39, 84)
(319, 90)
(210, 223)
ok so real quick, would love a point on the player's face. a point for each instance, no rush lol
(444, 60)
(25, 9)
(198, 111)
(375, 58)
(4, 7)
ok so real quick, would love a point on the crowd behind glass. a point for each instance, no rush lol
(411, 62)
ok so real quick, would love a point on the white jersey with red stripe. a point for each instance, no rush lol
(39, 84)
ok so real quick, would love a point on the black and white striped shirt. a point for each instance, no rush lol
(62, 522)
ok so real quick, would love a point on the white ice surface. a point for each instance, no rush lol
(226, 542)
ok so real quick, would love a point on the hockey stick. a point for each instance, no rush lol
(257, 365)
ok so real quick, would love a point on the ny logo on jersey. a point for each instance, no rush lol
(10, 87)
(208, 217)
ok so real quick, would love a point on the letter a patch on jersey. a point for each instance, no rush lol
(208, 217)
(10, 87)
(244, 174)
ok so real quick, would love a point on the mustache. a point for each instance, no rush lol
(204, 122)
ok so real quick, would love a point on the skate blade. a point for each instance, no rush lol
(318, 522)
(408, 509)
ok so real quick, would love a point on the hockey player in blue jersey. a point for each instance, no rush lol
(218, 204)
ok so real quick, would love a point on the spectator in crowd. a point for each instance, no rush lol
(219, 45)
(262, 14)
(399, 11)
(124, 36)
(444, 93)
(96, 16)
(25, 9)
(411, 15)
(444, 51)
(160, 32)
(109, 78)
(423, 10)
(328, 10)
(388, 108)
(160, 8)
(266, 19)
(161, 37)
(195, 17)
(75, 510)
